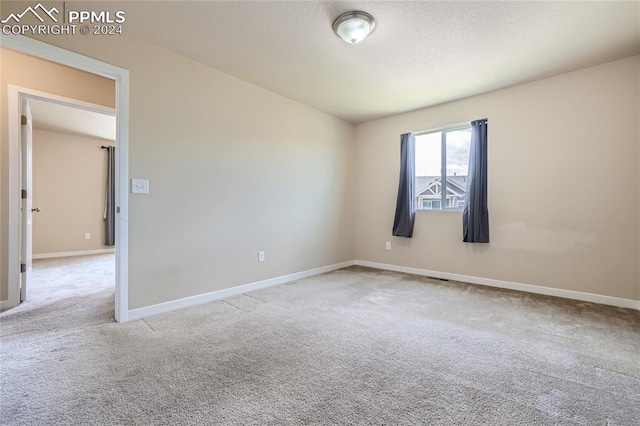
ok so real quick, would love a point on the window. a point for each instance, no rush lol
(442, 165)
(430, 205)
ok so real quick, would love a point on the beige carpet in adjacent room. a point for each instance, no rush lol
(355, 346)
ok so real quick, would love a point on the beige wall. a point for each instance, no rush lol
(233, 169)
(69, 183)
(26, 71)
(563, 185)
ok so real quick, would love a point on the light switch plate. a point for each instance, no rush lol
(139, 186)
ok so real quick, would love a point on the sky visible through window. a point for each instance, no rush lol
(429, 153)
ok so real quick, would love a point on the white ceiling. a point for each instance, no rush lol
(421, 53)
(56, 117)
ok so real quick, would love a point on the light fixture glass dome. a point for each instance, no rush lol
(353, 27)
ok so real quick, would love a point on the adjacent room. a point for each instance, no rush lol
(72, 255)
(324, 212)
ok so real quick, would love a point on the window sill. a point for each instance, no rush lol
(441, 211)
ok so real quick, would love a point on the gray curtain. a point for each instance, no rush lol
(405, 205)
(475, 217)
(110, 199)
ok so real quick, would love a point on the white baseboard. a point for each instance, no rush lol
(548, 291)
(228, 292)
(73, 253)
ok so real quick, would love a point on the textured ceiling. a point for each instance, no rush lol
(421, 53)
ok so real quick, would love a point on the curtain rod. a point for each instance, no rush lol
(106, 147)
(448, 127)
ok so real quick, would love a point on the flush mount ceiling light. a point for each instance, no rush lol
(353, 27)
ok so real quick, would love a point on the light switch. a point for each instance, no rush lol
(139, 186)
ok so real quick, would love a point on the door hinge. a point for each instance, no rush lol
(24, 194)
(23, 120)
(23, 267)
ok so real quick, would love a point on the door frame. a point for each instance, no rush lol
(121, 76)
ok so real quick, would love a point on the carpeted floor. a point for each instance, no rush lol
(355, 346)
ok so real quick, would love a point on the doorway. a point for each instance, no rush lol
(15, 96)
(67, 210)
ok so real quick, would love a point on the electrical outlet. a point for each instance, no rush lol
(261, 256)
(87, 236)
(388, 245)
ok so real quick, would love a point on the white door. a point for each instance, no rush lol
(26, 175)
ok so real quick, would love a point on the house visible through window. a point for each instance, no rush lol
(442, 165)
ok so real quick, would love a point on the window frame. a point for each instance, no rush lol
(443, 163)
